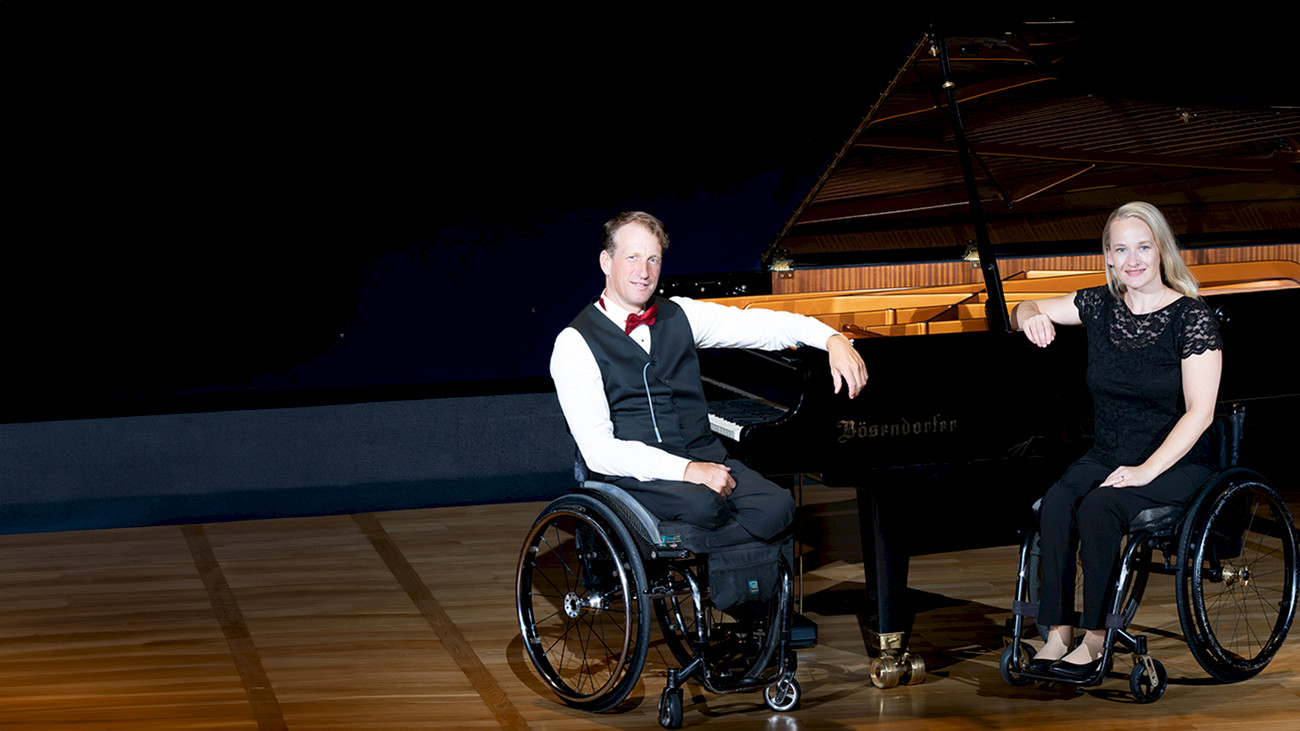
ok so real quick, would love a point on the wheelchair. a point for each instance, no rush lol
(1232, 552)
(595, 566)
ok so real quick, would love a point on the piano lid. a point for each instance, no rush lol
(1052, 158)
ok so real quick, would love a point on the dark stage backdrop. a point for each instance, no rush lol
(385, 215)
(215, 208)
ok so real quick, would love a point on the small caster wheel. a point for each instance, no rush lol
(885, 672)
(913, 669)
(1146, 686)
(670, 708)
(1009, 665)
(783, 695)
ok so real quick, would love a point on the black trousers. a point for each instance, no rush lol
(761, 508)
(1077, 512)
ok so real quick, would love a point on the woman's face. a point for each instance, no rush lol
(1133, 255)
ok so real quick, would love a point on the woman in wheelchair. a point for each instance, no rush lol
(1154, 360)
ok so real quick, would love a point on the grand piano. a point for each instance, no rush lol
(981, 177)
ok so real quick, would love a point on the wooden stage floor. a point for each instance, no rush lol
(405, 620)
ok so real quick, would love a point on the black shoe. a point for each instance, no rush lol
(1077, 672)
(1042, 667)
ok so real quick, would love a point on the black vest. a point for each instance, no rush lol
(671, 371)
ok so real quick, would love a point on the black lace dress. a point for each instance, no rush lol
(1135, 372)
(1135, 375)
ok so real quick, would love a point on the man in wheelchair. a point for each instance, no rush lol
(628, 380)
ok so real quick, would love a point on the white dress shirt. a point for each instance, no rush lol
(582, 390)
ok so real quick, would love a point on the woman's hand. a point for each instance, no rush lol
(1039, 329)
(1126, 476)
(1039, 318)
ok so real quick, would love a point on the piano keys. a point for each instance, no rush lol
(729, 418)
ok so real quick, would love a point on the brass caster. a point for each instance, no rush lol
(885, 672)
(913, 669)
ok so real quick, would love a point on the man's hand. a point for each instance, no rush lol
(847, 368)
(716, 477)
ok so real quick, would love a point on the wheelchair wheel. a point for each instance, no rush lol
(1146, 686)
(670, 708)
(679, 618)
(581, 600)
(1238, 576)
(1009, 665)
(783, 695)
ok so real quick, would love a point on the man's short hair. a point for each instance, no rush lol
(652, 224)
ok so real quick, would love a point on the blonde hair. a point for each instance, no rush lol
(1173, 270)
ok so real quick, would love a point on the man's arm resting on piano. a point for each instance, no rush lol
(847, 368)
(720, 326)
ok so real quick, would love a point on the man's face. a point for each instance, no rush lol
(632, 272)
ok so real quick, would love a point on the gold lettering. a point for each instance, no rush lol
(847, 434)
(850, 429)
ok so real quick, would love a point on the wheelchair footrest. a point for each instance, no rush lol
(803, 631)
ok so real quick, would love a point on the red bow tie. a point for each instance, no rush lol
(647, 317)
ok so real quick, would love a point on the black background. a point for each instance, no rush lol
(216, 202)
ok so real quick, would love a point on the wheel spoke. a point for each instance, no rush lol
(575, 585)
(1245, 618)
(557, 552)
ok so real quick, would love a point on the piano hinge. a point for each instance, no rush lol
(783, 268)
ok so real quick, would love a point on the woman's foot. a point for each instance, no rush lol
(1084, 663)
(1053, 649)
(1089, 651)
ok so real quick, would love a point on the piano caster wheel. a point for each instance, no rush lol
(885, 672)
(913, 669)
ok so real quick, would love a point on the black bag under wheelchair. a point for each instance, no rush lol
(597, 569)
(1232, 552)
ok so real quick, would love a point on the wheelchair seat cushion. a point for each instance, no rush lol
(1159, 519)
(667, 533)
(676, 534)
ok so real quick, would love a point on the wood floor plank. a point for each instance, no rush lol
(115, 630)
(112, 630)
(343, 645)
(261, 696)
(450, 635)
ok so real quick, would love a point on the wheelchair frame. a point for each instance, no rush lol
(1232, 550)
(594, 566)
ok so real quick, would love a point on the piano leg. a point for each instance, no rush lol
(885, 559)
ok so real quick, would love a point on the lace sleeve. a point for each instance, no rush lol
(1087, 301)
(1200, 331)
